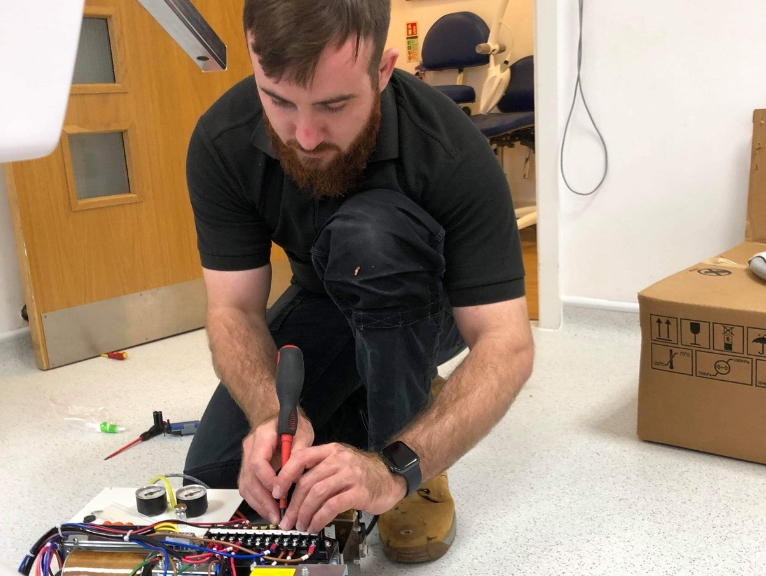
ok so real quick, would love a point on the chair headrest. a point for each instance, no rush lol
(451, 42)
(520, 94)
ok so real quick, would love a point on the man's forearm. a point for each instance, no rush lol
(476, 397)
(244, 358)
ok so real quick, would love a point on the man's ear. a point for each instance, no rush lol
(387, 63)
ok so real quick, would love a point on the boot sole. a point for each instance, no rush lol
(417, 554)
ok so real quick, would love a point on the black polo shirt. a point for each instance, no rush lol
(427, 149)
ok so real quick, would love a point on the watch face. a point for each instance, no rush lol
(400, 455)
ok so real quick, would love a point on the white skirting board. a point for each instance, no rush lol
(598, 304)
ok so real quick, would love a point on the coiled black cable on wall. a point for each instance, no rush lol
(578, 89)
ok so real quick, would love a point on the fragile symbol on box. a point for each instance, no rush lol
(725, 368)
(695, 333)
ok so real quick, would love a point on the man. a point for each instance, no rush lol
(399, 227)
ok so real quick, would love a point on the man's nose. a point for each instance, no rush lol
(308, 133)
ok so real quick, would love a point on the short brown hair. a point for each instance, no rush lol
(290, 35)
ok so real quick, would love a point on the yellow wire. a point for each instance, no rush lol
(166, 527)
(168, 487)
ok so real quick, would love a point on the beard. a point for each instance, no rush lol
(343, 171)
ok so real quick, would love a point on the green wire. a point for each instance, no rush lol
(144, 563)
(152, 557)
(149, 559)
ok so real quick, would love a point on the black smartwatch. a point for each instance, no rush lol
(401, 460)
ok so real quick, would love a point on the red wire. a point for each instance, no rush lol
(115, 529)
(198, 560)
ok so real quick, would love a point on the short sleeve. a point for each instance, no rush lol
(231, 234)
(482, 246)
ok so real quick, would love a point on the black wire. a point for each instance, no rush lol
(371, 526)
(133, 537)
(578, 88)
(29, 559)
(26, 564)
(158, 544)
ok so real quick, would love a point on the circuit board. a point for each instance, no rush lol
(234, 548)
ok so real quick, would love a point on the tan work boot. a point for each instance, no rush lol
(422, 526)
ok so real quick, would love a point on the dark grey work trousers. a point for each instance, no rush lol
(371, 345)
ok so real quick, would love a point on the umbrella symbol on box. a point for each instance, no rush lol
(762, 341)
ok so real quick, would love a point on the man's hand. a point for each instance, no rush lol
(337, 478)
(261, 456)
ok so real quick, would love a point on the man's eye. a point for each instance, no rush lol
(280, 103)
(335, 109)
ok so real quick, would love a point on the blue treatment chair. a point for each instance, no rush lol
(515, 121)
(514, 124)
(450, 44)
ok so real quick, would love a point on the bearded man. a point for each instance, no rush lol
(399, 227)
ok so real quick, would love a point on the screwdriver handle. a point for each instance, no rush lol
(290, 374)
(182, 428)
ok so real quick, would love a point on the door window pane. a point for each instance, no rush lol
(99, 165)
(94, 55)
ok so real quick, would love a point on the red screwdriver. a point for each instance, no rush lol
(157, 428)
(289, 381)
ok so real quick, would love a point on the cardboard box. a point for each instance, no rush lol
(703, 353)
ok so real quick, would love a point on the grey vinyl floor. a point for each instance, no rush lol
(561, 486)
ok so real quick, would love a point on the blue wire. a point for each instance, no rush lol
(142, 544)
(164, 552)
(226, 554)
(21, 566)
(149, 547)
(46, 561)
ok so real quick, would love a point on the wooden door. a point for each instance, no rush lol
(104, 228)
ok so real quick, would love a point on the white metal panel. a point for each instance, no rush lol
(38, 41)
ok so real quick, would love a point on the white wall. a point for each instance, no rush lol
(11, 293)
(672, 85)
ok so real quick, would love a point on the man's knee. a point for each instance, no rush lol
(381, 250)
(217, 444)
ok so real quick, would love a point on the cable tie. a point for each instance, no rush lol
(126, 538)
(59, 531)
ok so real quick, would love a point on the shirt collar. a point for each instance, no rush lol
(387, 147)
